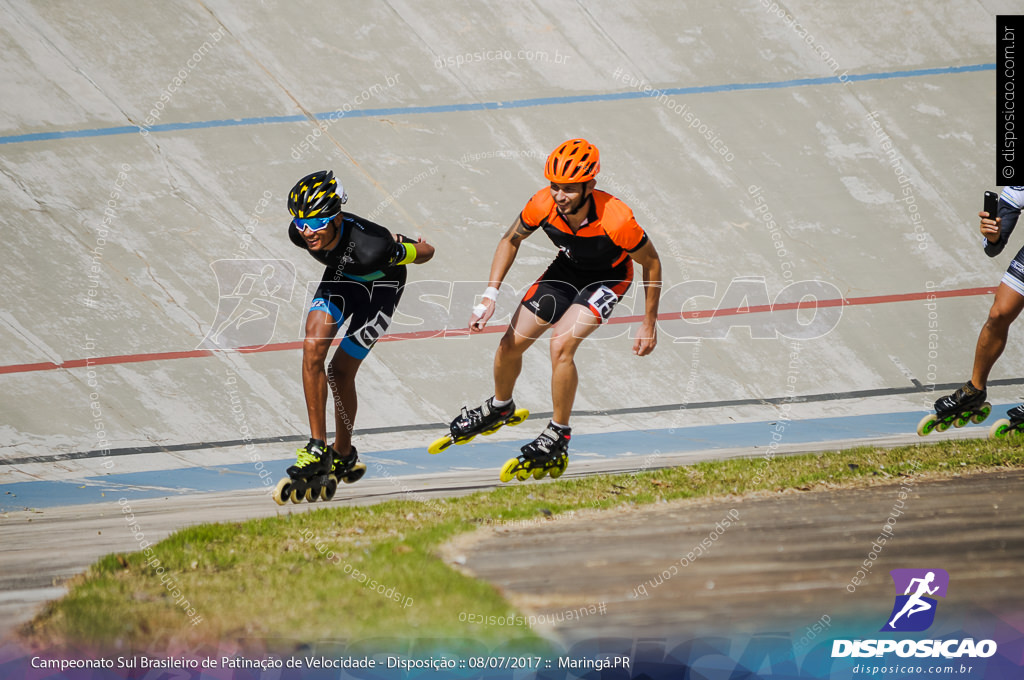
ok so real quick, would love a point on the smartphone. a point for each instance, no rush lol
(991, 204)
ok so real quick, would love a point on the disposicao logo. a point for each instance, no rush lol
(914, 611)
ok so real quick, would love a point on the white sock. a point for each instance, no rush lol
(560, 426)
(498, 404)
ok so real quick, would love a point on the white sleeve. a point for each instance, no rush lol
(1013, 196)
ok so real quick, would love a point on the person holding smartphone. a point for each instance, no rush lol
(998, 220)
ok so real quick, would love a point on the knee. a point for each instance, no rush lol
(999, 318)
(508, 347)
(562, 350)
(314, 351)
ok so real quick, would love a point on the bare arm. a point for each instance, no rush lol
(647, 336)
(504, 256)
(424, 251)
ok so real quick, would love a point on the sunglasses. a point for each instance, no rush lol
(313, 223)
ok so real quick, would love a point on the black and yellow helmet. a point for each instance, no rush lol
(316, 195)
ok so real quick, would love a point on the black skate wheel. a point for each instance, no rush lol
(328, 490)
(355, 474)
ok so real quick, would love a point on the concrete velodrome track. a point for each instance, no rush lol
(775, 155)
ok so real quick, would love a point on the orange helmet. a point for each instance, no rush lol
(574, 161)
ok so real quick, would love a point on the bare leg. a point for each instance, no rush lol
(508, 359)
(342, 379)
(992, 339)
(566, 337)
(320, 331)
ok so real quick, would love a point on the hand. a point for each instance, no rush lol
(989, 227)
(402, 238)
(477, 323)
(646, 339)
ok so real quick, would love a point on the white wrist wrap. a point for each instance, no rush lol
(491, 293)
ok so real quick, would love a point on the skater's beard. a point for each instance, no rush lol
(571, 207)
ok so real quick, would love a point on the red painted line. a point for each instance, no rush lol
(841, 302)
(446, 333)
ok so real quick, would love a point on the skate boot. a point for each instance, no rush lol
(487, 419)
(1008, 427)
(310, 475)
(965, 405)
(348, 470)
(548, 454)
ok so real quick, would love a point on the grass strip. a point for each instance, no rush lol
(341, 572)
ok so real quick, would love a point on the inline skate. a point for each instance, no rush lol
(348, 470)
(965, 405)
(1008, 427)
(548, 454)
(486, 419)
(310, 477)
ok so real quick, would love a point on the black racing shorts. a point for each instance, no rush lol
(563, 285)
(368, 306)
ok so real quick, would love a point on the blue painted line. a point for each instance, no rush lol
(490, 106)
(639, 448)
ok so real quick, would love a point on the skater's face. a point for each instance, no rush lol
(569, 197)
(317, 234)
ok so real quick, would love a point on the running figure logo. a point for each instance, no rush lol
(251, 294)
(914, 610)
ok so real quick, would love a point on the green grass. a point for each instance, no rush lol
(259, 580)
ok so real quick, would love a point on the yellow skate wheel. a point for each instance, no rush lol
(283, 491)
(467, 440)
(440, 445)
(508, 470)
(558, 469)
(982, 414)
(313, 493)
(295, 497)
(492, 429)
(355, 474)
(927, 425)
(522, 474)
(539, 473)
(519, 416)
(1000, 429)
